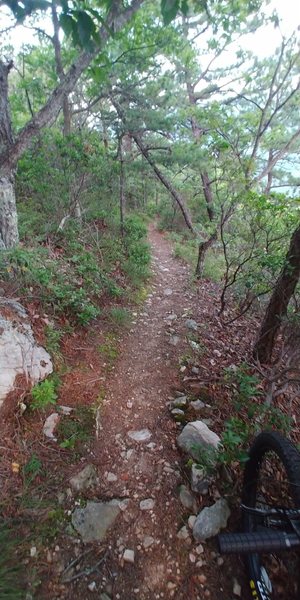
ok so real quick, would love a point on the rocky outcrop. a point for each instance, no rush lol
(19, 353)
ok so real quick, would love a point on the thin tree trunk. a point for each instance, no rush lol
(278, 304)
(9, 236)
(208, 195)
(202, 250)
(122, 194)
(8, 211)
(60, 70)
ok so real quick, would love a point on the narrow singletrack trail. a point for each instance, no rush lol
(138, 463)
(137, 394)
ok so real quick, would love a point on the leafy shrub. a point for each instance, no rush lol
(43, 394)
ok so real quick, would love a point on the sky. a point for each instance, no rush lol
(263, 42)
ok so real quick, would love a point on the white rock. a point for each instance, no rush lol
(197, 404)
(183, 533)
(111, 477)
(66, 410)
(191, 521)
(237, 590)
(92, 586)
(143, 435)
(128, 555)
(147, 504)
(197, 433)
(19, 353)
(33, 551)
(50, 424)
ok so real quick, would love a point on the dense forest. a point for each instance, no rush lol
(117, 117)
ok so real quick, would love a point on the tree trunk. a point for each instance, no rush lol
(122, 194)
(9, 236)
(203, 247)
(60, 70)
(278, 304)
(8, 211)
(208, 195)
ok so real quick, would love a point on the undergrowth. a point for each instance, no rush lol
(74, 271)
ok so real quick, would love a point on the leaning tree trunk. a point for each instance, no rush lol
(278, 304)
(202, 249)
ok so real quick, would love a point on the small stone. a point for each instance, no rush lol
(195, 370)
(111, 477)
(202, 578)
(85, 479)
(171, 585)
(50, 425)
(65, 410)
(211, 520)
(180, 402)
(128, 556)
(220, 561)
(192, 558)
(191, 324)
(143, 435)
(237, 590)
(183, 533)
(92, 586)
(186, 498)
(33, 551)
(197, 404)
(148, 541)
(168, 292)
(174, 340)
(199, 549)
(191, 521)
(104, 596)
(147, 504)
(200, 481)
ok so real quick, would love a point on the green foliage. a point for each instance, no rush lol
(11, 584)
(76, 429)
(120, 316)
(53, 339)
(31, 469)
(43, 394)
(109, 349)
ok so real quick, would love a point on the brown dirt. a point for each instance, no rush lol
(133, 393)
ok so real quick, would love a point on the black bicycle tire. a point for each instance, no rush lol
(290, 458)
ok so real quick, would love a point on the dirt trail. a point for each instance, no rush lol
(145, 377)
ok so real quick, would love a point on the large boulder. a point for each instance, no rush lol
(197, 434)
(19, 353)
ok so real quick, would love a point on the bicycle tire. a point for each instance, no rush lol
(268, 444)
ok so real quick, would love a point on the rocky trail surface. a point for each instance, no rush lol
(134, 509)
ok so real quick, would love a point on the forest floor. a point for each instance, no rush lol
(133, 382)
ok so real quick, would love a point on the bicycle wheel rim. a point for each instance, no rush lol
(272, 577)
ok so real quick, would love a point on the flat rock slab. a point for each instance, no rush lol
(211, 520)
(93, 521)
(197, 434)
(143, 435)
